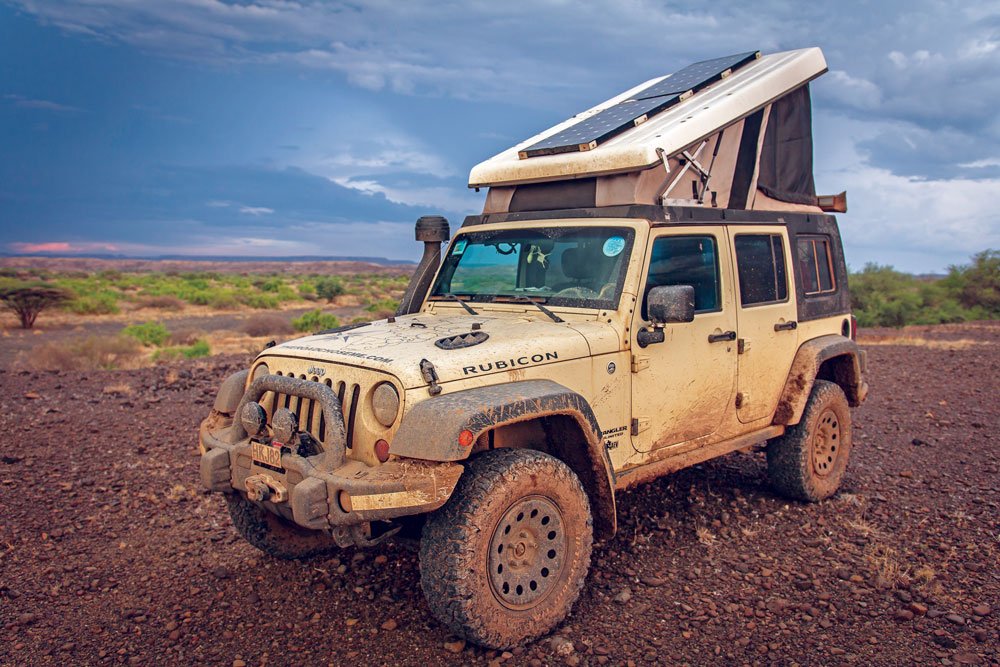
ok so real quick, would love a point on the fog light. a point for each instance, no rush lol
(284, 424)
(465, 438)
(382, 450)
(253, 418)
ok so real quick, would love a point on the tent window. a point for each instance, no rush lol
(686, 260)
(760, 261)
(816, 265)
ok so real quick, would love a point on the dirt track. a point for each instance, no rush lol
(109, 553)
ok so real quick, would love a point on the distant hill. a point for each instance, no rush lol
(187, 264)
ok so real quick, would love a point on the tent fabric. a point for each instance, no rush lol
(786, 157)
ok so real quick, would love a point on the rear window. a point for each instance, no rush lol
(760, 262)
(815, 264)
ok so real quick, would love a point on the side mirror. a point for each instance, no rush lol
(670, 304)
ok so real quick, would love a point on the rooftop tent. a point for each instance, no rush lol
(730, 132)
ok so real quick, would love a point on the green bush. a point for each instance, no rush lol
(99, 303)
(150, 334)
(196, 351)
(884, 297)
(329, 288)
(315, 320)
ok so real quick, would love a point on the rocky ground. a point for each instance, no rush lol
(110, 553)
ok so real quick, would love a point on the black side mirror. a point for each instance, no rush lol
(669, 304)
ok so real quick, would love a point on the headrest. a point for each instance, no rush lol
(574, 263)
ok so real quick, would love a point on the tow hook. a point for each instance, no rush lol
(264, 487)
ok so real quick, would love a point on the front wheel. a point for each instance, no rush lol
(809, 461)
(504, 560)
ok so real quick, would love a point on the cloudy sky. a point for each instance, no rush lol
(273, 127)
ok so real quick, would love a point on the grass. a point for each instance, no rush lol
(88, 354)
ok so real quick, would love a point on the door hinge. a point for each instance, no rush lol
(639, 424)
(742, 398)
(742, 345)
(639, 362)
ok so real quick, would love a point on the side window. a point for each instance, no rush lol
(815, 264)
(686, 260)
(760, 261)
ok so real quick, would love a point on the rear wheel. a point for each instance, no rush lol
(809, 461)
(504, 560)
(272, 534)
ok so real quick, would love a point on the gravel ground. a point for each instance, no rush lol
(110, 553)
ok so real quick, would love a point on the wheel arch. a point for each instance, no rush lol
(834, 358)
(553, 419)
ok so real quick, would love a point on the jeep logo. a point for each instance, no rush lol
(316, 370)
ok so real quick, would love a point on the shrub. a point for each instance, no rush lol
(223, 300)
(164, 302)
(382, 308)
(98, 303)
(315, 320)
(199, 349)
(329, 288)
(150, 334)
(307, 291)
(267, 324)
(93, 353)
(260, 301)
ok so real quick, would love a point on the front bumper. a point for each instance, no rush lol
(325, 492)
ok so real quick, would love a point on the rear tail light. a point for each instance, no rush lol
(382, 450)
(854, 328)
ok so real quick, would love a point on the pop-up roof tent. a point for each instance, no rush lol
(732, 132)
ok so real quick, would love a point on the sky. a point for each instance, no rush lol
(276, 128)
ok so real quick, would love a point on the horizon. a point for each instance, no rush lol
(269, 129)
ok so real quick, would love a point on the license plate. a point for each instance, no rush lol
(265, 455)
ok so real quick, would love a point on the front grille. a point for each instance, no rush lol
(311, 418)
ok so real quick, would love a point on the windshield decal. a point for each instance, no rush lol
(459, 247)
(614, 246)
(507, 364)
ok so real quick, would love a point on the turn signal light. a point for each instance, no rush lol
(465, 438)
(382, 450)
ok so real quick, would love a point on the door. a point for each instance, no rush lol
(682, 387)
(766, 323)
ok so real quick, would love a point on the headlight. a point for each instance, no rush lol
(385, 404)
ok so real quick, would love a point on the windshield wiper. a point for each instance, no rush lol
(524, 299)
(467, 307)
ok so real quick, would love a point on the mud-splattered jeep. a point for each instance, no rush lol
(674, 293)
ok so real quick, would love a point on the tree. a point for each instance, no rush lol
(329, 288)
(30, 299)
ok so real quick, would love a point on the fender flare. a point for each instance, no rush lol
(806, 368)
(430, 431)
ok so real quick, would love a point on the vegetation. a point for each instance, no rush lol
(199, 349)
(315, 320)
(150, 334)
(93, 353)
(884, 297)
(27, 300)
(108, 292)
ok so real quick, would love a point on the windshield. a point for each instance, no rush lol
(567, 266)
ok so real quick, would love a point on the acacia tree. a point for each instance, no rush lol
(29, 300)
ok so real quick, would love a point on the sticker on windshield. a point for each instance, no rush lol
(459, 247)
(614, 246)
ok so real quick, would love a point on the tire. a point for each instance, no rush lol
(272, 534)
(517, 509)
(809, 461)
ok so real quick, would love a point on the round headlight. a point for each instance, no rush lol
(385, 404)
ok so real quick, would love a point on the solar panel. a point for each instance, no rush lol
(604, 125)
(697, 76)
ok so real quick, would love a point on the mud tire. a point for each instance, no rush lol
(792, 467)
(273, 535)
(458, 542)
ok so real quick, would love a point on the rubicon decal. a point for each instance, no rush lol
(507, 364)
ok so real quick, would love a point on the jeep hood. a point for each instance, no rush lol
(514, 341)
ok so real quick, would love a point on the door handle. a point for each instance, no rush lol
(724, 336)
(786, 326)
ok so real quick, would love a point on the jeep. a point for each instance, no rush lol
(652, 284)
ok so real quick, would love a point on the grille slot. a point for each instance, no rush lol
(311, 418)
